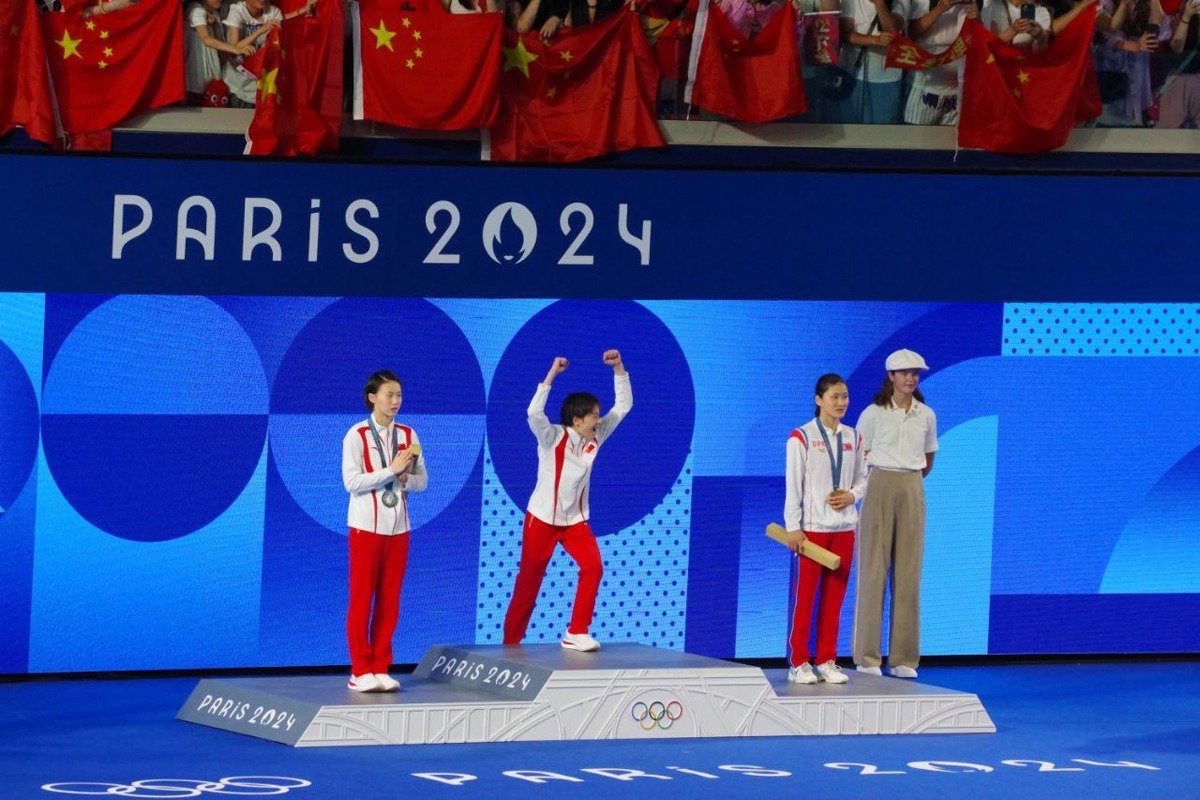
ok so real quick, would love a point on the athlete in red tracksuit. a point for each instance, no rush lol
(379, 469)
(826, 476)
(558, 508)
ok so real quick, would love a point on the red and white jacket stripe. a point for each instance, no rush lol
(565, 458)
(366, 476)
(810, 479)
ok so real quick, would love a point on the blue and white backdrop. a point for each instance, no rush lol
(179, 359)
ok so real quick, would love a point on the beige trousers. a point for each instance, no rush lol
(891, 544)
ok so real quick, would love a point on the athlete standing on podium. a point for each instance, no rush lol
(558, 510)
(826, 476)
(381, 464)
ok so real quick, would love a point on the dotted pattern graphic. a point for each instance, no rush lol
(643, 596)
(1097, 329)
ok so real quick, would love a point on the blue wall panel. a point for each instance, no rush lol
(170, 424)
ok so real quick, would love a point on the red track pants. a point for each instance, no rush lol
(537, 546)
(377, 566)
(832, 584)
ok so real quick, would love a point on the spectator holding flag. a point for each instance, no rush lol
(868, 27)
(247, 24)
(541, 15)
(202, 47)
(934, 26)
(818, 18)
(1022, 23)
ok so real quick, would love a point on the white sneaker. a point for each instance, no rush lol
(830, 672)
(902, 672)
(387, 683)
(364, 683)
(870, 670)
(579, 641)
(802, 674)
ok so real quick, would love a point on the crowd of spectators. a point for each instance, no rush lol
(1144, 50)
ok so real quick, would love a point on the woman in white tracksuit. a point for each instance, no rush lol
(826, 476)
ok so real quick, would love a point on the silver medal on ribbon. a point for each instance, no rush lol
(390, 498)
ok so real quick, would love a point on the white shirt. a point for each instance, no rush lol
(810, 479)
(999, 15)
(238, 17)
(897, 440)
(872, 68)
(565, 458)
(940, 35)
(365, 475)
(201, 63)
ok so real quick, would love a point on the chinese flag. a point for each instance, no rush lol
(298, 106)
(114, 66)
(429, 70)
(589, 92)
(1017, 102)
(24, 82)
(669, 25)
(750, 80)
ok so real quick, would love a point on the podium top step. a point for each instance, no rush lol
(614, 656)
(519, 672)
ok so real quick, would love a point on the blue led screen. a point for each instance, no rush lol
(184, 508)
(171, 415)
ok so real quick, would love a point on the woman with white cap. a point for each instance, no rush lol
(899, 438)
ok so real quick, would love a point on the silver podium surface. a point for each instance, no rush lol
(481, 693)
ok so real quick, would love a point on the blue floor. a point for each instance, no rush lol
(1094, 731)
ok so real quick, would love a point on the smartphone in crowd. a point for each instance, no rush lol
(1028, 10)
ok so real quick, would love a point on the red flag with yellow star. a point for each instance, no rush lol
(588, 92)
(1019, 102)
(24, 83)
(297, 108)
(669, 25)
(750, 80)
(429, 70)
(111, 67)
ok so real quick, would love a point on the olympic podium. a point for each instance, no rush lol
(475, 693)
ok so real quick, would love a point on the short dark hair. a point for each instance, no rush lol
(824, 384)
(577, 404)
(376, 380)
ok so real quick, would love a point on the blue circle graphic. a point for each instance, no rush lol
(318, 396)
(18, 427)
(641, 461)
(154, 416)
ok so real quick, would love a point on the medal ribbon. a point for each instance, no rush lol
(383, 454)
(835, 467)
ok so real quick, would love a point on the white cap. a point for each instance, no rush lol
(904, 359)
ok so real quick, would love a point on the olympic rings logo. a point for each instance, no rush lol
(172, 788)
(657, 714)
